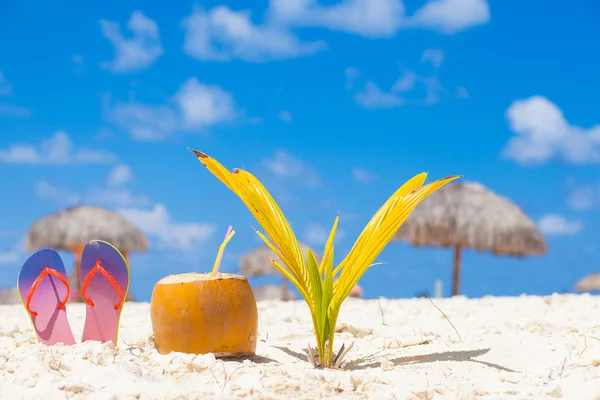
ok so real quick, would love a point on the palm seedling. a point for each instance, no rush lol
(323, 286)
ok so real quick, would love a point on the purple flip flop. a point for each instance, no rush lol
(44, 292)
(104, 286)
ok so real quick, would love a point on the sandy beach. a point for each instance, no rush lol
(521, 347)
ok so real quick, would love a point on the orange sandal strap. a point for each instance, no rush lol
(46, 272)
(98, 268)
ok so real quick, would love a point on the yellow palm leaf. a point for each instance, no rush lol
(380, 230)
(268, 214)
(322, 287)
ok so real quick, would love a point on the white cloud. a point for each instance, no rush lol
(157, 223)
(135, 53)
(5, 87)
(433, 56)
(204, 105)
(120, 175)
(100, 196)
(584, 198)
(114, 193)
(410, 88)
(58, 149)
(222, 34)
(10, 257)
(47, 191)
(121, 197)
(380, 18)
(371, 18)
(10, 110)
(543, 133)
(451, 16)
(77, 60)
(462, 93)
(371, 96)
(406, 82)
(317, 235)
(555, 224)
(145, 121)
(288, 167)
(13, 253)
(285, 116)
(361, 175)
(351, 74)
(194, 107)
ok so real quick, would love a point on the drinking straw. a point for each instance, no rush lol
(228, 236)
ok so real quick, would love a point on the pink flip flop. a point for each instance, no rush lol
(44, 292)
(104, 286)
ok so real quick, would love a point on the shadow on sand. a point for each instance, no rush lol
(254, 358)
(374, 360)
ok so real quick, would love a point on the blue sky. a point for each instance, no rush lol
(332, 104)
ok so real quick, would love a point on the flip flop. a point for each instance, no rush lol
(44, 292)
(104, 287)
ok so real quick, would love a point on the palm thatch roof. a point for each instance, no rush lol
(10, 295)
(272, 292)
(81, 224)
(468, 215)
(255, 262)
(589, 283)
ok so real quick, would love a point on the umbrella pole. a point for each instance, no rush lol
(456, 271)
(78, 276)
(284, 288)
(77, 249)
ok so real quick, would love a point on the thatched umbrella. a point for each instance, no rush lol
(468, 215)
(272, 292)
(10, 295)
(70, 229)
(589, 283)
(255, 263)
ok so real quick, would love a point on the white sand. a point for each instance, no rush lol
(524, 347)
